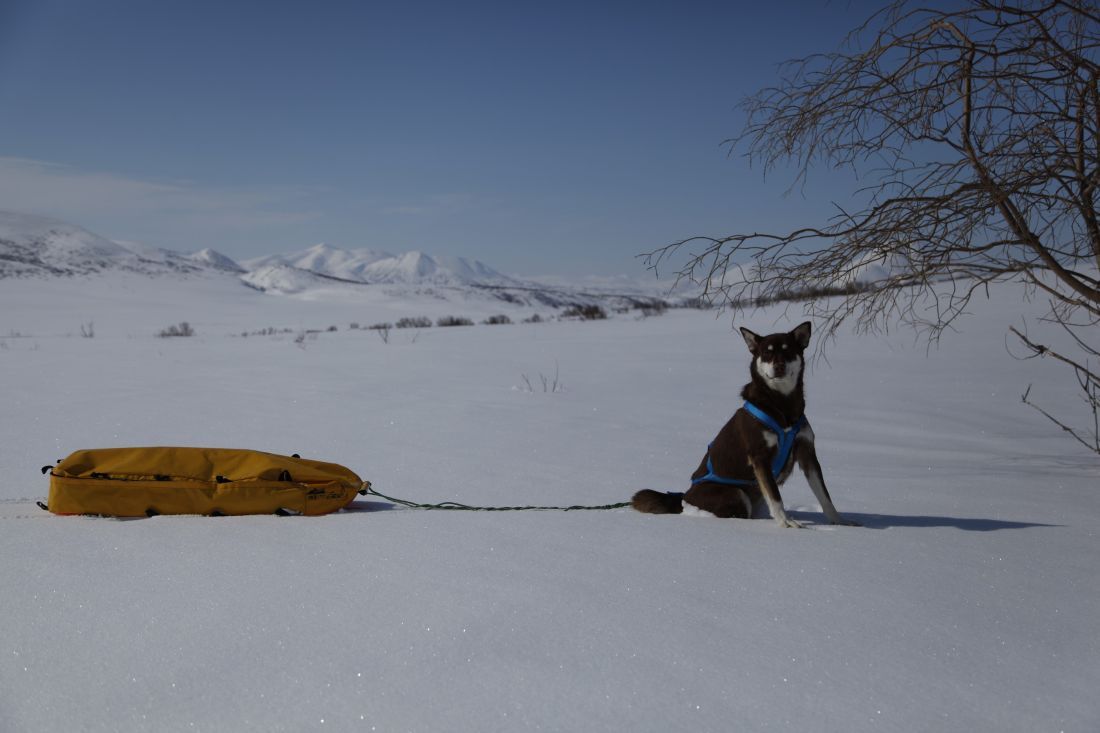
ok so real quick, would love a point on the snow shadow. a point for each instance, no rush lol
(360, 506)
(885, 521)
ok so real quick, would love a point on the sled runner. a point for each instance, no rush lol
(137, 482)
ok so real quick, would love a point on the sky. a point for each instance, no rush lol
(541, 138)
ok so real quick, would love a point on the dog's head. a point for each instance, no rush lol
(777, 358)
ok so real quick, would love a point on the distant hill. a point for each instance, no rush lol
(33, 246)
(376, 267)
(216, 260)
(287, 280)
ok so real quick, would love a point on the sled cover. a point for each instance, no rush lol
(136, 482)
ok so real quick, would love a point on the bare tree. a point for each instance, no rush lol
(975, 134)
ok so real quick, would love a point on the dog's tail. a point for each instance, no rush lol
(658, 502)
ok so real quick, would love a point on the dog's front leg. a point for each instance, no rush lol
(806, 456)
(770, 489)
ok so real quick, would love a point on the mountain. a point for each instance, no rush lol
(40, 246)
(31, 245)
(216, 260)
(282, 279)
(333, 261)
(377, 267)
(417, 268)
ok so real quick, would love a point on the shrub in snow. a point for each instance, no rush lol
(453, 321)
(309, 334)
(420, 322)
(183, 329)
(549, 384)
(269, 331)
(585, 312)
(497, 321)
(533, 319)
(653, 309)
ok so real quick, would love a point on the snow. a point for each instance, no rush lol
(968, 601)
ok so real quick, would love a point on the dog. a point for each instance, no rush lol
(755, 452)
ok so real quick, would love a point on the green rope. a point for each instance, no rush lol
(455, 506)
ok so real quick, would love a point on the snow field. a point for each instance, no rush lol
(968, 602)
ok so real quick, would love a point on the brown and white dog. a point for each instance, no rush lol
(756, 450)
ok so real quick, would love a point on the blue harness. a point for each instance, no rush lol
(786, 443)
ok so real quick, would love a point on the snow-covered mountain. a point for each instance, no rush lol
(417, 268)
(324, 259)
(40, 246)
(32, 246)
(378, 267)
(286, 280)
(216, 260)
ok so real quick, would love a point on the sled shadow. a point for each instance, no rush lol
(367, 506)
(885, 521)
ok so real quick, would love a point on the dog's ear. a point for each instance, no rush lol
(801, 334)
(750, 338)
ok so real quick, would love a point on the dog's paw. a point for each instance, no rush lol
(788, 522)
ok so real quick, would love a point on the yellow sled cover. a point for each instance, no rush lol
(138, 482)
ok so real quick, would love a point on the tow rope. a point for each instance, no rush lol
(455, 506)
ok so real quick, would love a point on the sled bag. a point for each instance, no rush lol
(138, 482)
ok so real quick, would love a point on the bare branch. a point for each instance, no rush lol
(1094, 446)
(976, 133)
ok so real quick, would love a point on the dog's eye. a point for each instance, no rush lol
(784, 346)
(771, 348)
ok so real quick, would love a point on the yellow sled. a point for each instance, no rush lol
(138, 482)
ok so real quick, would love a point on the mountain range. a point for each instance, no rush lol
(33, 246)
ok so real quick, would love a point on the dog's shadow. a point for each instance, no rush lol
(885, 521)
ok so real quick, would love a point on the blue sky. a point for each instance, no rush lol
(542, 138)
